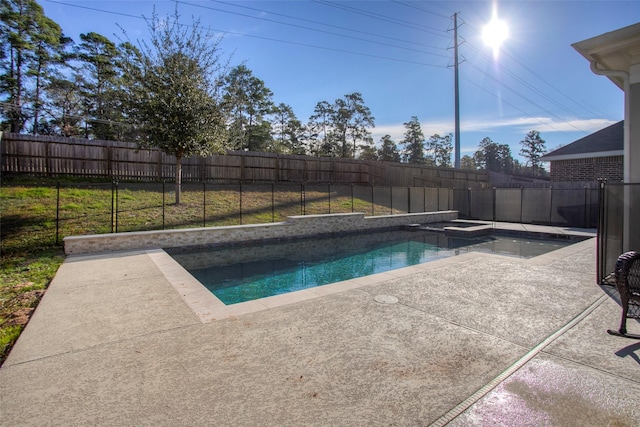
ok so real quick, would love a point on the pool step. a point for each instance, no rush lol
(475, 231)
(453, 231)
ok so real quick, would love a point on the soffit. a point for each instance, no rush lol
(613, 51)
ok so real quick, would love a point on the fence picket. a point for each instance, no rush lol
(51, 156)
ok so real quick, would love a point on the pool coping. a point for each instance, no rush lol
(208, 308)
(496, 339)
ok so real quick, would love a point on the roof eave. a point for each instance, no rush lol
(579, 156)
(609, 52)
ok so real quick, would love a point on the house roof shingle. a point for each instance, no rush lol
(603, 143)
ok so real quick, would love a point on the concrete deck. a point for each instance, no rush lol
(473, 340)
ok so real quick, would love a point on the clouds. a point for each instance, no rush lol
(493, 128)
(396, 131)
(541, 124)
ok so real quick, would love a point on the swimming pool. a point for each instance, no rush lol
(245, 272)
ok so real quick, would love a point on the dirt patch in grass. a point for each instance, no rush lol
(17, 306)
(24, 277)
(22, 305)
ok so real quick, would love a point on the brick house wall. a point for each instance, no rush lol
(590, 169)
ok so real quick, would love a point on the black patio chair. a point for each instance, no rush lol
(627, 274)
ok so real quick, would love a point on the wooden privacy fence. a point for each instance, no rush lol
(52, 156)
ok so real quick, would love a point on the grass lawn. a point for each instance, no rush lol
(36, 214)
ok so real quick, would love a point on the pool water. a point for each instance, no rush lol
(245, 272)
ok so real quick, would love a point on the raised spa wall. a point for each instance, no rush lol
(295, 226)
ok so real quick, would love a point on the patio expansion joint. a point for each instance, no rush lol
(106, 282)
(460, 325)
(468, 402)
(95, 346)
(603, 371)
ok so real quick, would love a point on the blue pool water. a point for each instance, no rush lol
(242, 273)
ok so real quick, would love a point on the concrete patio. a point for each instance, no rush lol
(477, 339)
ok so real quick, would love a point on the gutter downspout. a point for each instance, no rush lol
(627, 109)
(626, 222)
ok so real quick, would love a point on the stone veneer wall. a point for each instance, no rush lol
(295, 226)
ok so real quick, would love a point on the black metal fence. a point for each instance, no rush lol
(95, 208)
(547, 206)
(619, 205)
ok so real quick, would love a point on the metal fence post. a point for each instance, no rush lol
(586, 196)
(58, 213)
(390, 200)
(303, 196)
(351, 198)
(602, 233)
(163, 203)
(408, 199)
(373, 212)
(453, 204)
(117, 204)
(204, 204)
(329, 193)
(424, 199)
(240, 202)
(273, 203)
(113, 205)
(494, 203)
(521, 202)
(550, 205)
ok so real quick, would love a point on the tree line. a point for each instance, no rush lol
(176, 90)
(98, 88)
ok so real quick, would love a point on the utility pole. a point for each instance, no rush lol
(457, 93)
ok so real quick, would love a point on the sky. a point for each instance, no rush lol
(399, 55)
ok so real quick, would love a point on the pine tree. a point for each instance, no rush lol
(440, 149)
(248, 101)
(288, 132)
(368, 150)
(320, 130)
(467, 162)
(533, 147)
(494, 157)
(29, 43)
(388, 150)
(98, 57)
(413, 142)
(359, 123)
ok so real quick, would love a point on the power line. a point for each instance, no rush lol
(419, 8)
(511, 105)
(542, 78)
(331, 25)
(532, 89)
(261, 37)
(525, 98)
(551, 85)
(310, 29)
(530, 86)
(350, 9)
(97, 10)
(383, 18)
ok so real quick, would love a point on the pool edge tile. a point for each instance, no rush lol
(209, 308)
(193, 293)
